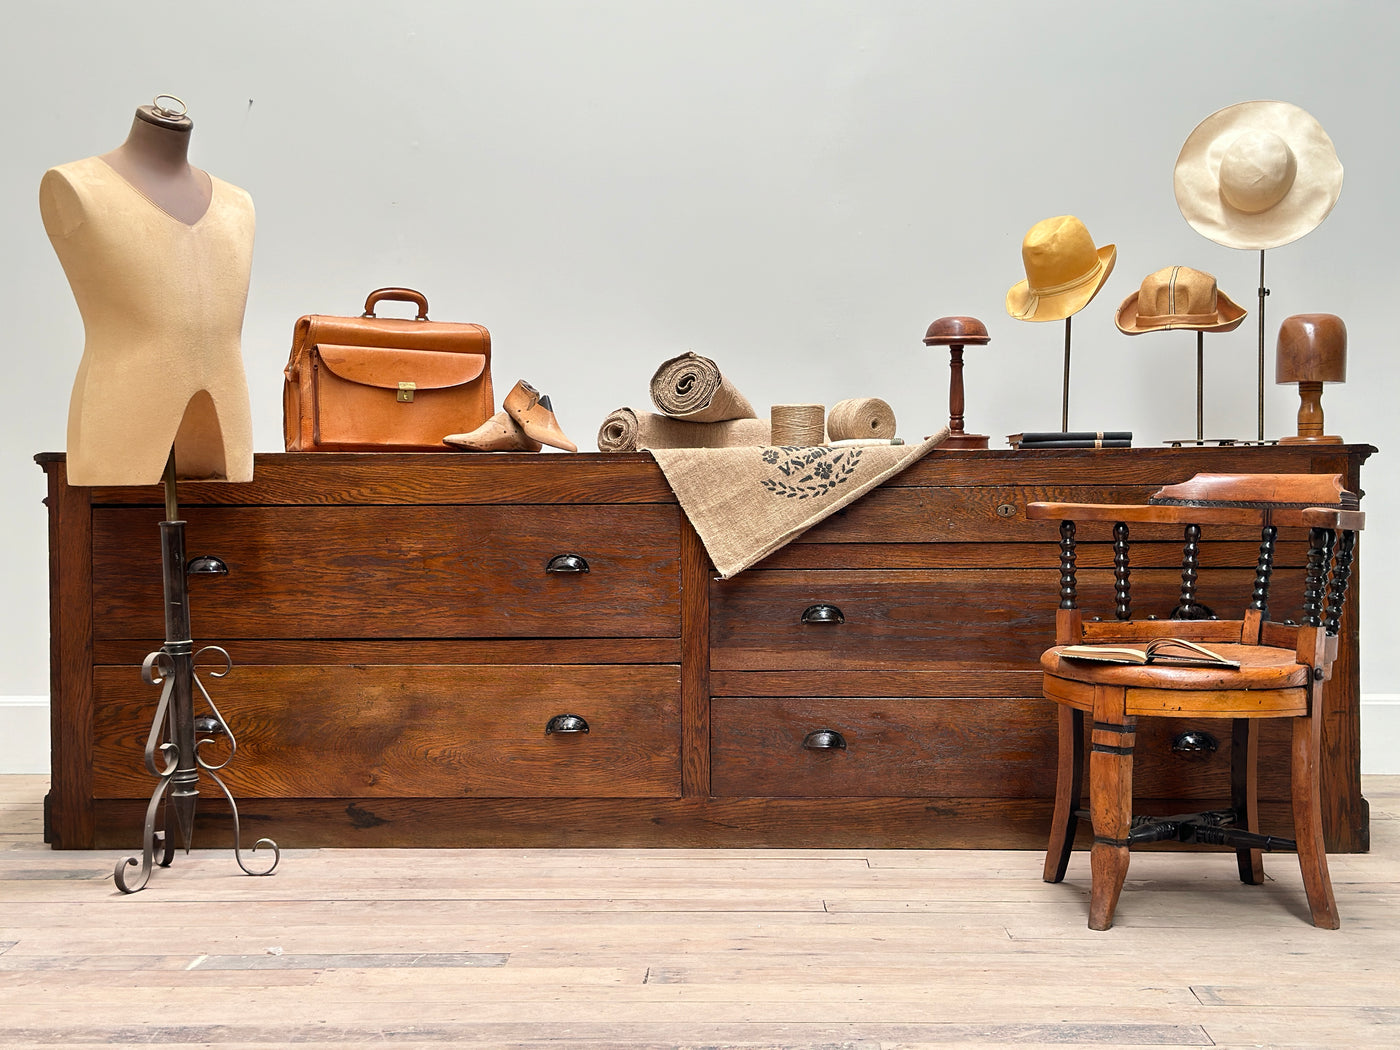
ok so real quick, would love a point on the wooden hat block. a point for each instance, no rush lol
(1312, 350)
(955, 333)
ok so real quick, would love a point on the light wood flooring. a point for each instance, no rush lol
(695, 949)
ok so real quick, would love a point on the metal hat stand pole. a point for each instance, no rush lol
(1064, 398)
(1262, 293)
(172, 752)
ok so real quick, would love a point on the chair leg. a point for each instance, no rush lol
(1110, 802)
(1069, 785)
(1244, 794)
(1307, 822)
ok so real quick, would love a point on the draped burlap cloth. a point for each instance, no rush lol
(626, 430)
(747, 502)
(690, 387)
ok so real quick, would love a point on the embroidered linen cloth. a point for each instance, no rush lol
(747, 502)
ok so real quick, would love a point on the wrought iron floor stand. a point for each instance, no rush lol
(172, 752)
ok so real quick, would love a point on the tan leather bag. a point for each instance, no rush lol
(367, 383)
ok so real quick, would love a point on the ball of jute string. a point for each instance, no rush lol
(860, 417)
(798, 424)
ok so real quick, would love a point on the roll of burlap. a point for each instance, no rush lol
(627, 431)
(799, 424)
(860, 417)
(690, 387)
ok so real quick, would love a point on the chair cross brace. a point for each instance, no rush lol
(1212, 828)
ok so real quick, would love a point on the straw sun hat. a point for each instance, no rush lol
(1064, 270)
(1257, 175)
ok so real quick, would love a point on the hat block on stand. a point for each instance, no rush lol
(955, 333)
(1312, 350)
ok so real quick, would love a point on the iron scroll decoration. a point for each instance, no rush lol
(160, 669)
(175, 746)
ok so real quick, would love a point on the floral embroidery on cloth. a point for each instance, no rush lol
(813, 469)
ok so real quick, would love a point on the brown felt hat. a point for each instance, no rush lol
(1064, 270)
(1257, 175)
(1178, 297)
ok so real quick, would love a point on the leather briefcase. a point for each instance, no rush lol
(361, 384)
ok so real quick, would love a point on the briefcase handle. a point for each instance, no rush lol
(403, 295)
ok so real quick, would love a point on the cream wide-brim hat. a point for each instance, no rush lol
(1257, 175)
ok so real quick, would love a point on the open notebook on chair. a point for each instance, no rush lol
(1176, 651)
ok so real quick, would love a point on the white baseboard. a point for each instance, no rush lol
(1380, 733)
(24, 734)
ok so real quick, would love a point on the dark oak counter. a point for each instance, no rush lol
(398, 649)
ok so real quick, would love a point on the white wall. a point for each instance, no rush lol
(793, 188)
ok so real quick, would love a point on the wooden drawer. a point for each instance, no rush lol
(930, 619)
(360, 731)
(978, 747)
(398, 572)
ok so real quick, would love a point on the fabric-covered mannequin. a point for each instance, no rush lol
(158, 255)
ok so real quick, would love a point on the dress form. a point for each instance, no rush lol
(158, 255)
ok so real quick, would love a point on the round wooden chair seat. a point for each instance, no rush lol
(1261, 667)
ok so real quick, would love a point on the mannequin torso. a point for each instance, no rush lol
(158, 255)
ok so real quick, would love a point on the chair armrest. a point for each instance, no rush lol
(1331, 518)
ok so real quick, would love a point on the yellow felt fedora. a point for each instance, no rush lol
(1064, 270)
(1257, 175)
(1178, 297)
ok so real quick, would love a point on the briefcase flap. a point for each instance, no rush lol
(390, 333)
(391, 368)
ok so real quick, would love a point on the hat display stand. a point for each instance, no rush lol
(173, 747)
(1200, 438)
(1064, 393)
(1257, 175)
(1065, 270)
(955, 333)
(1263, 294)
(1181, 298)
(1200, 387)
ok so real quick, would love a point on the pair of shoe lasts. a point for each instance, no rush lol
(525, 422)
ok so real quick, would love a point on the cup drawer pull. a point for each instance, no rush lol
(1194, 742)
(566, 724)
(566, 563)
(824, 740)
(823, 613)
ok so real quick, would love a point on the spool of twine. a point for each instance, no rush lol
(798, 424)
(860, 417)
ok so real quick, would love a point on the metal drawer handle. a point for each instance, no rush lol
(824, 740)
(566, 724)
(206, 565)
(1194, 741)
(822, 613)
(566, 563)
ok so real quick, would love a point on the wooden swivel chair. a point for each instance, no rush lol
(1283, 666)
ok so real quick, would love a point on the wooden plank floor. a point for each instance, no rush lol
(695, 949)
